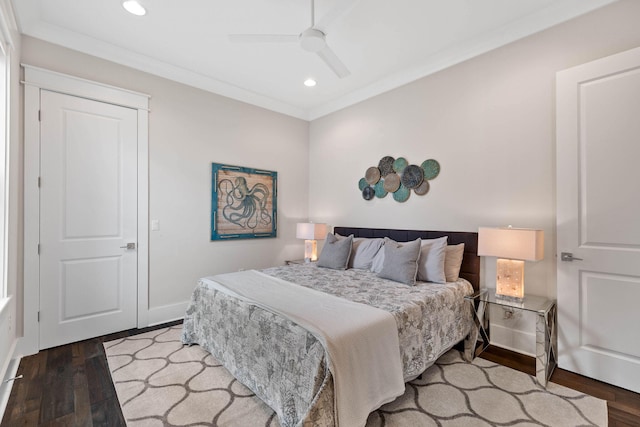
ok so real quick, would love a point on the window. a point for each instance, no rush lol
(4, 146)
(6, 44)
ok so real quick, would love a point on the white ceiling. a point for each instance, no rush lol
(384, 43)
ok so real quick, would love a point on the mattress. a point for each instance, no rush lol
(286, 365)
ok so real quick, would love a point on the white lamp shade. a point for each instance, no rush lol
(513, 243)
(311, 231)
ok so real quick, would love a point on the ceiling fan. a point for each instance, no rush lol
(313, 39)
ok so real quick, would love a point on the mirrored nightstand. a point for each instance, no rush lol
(546, 333)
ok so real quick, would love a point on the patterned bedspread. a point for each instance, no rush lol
(285, 365)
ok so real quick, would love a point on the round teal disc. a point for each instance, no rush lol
(431, 168)
(379, 189)
(400, 164)
(362, 183)
(402, 194)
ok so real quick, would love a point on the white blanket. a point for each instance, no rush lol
(361, 341)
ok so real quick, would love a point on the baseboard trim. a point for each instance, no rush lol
(10, 369)
(502, 335)
(167, 313)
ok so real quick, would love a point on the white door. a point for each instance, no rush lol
(598, 219)
(87, 217)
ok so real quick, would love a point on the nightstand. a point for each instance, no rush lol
(294, 261)
(546, 333)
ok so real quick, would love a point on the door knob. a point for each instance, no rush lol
(129, 246)
(568, 256)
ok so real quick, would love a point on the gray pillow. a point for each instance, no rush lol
(400, 261)
(335, 253)
(363, 251)
(378, 260)
(431, 261)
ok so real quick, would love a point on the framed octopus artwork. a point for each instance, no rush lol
(243, 202)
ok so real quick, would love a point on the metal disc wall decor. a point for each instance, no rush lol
(400, 164)
(392, 182)
(422, 189)
(386, 165)
(362, 183)
(372, 175)
(368, 193)
(431, 168)
(379, 189)
(398, 177)
(412, 176)
(402, 194)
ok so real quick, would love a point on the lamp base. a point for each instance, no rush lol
(510, 279)
(310, 250)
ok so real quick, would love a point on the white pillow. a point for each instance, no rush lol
(378, 261)
(363, 252)
(453, 261)
(431, 261)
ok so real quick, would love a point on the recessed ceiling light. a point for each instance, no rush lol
(133, 7)
(309, 83)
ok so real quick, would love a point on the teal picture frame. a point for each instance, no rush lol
(243, 202)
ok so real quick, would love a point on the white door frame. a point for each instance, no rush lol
(36, 79)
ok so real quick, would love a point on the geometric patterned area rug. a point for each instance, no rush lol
(160, 382)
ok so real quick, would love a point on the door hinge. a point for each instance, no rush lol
(38, 248)
(39, 115)
(38, 316)
(39, 182)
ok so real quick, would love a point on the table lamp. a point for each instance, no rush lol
(512, 246)
(311, 232)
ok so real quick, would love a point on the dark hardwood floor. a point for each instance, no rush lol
(70, 385)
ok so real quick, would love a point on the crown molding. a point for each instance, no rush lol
(109, 52)
(555, 14)
(463, 51)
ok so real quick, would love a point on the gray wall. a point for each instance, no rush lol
(188, 129)
(490, 122)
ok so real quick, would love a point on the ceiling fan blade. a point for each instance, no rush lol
(343, 7)
(263, 38)
(332, 60)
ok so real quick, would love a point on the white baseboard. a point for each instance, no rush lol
(167, 313)
(10, 369)
(514, 340)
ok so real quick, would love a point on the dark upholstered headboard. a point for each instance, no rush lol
(470, 269)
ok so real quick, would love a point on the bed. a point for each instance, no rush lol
(288, 366)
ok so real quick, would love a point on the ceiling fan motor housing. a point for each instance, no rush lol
(312, 40)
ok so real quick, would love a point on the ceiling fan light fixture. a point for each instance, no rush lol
(312, 40)
(134, 7)
(310, 82)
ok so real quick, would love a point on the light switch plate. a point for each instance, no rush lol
(155, 225)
